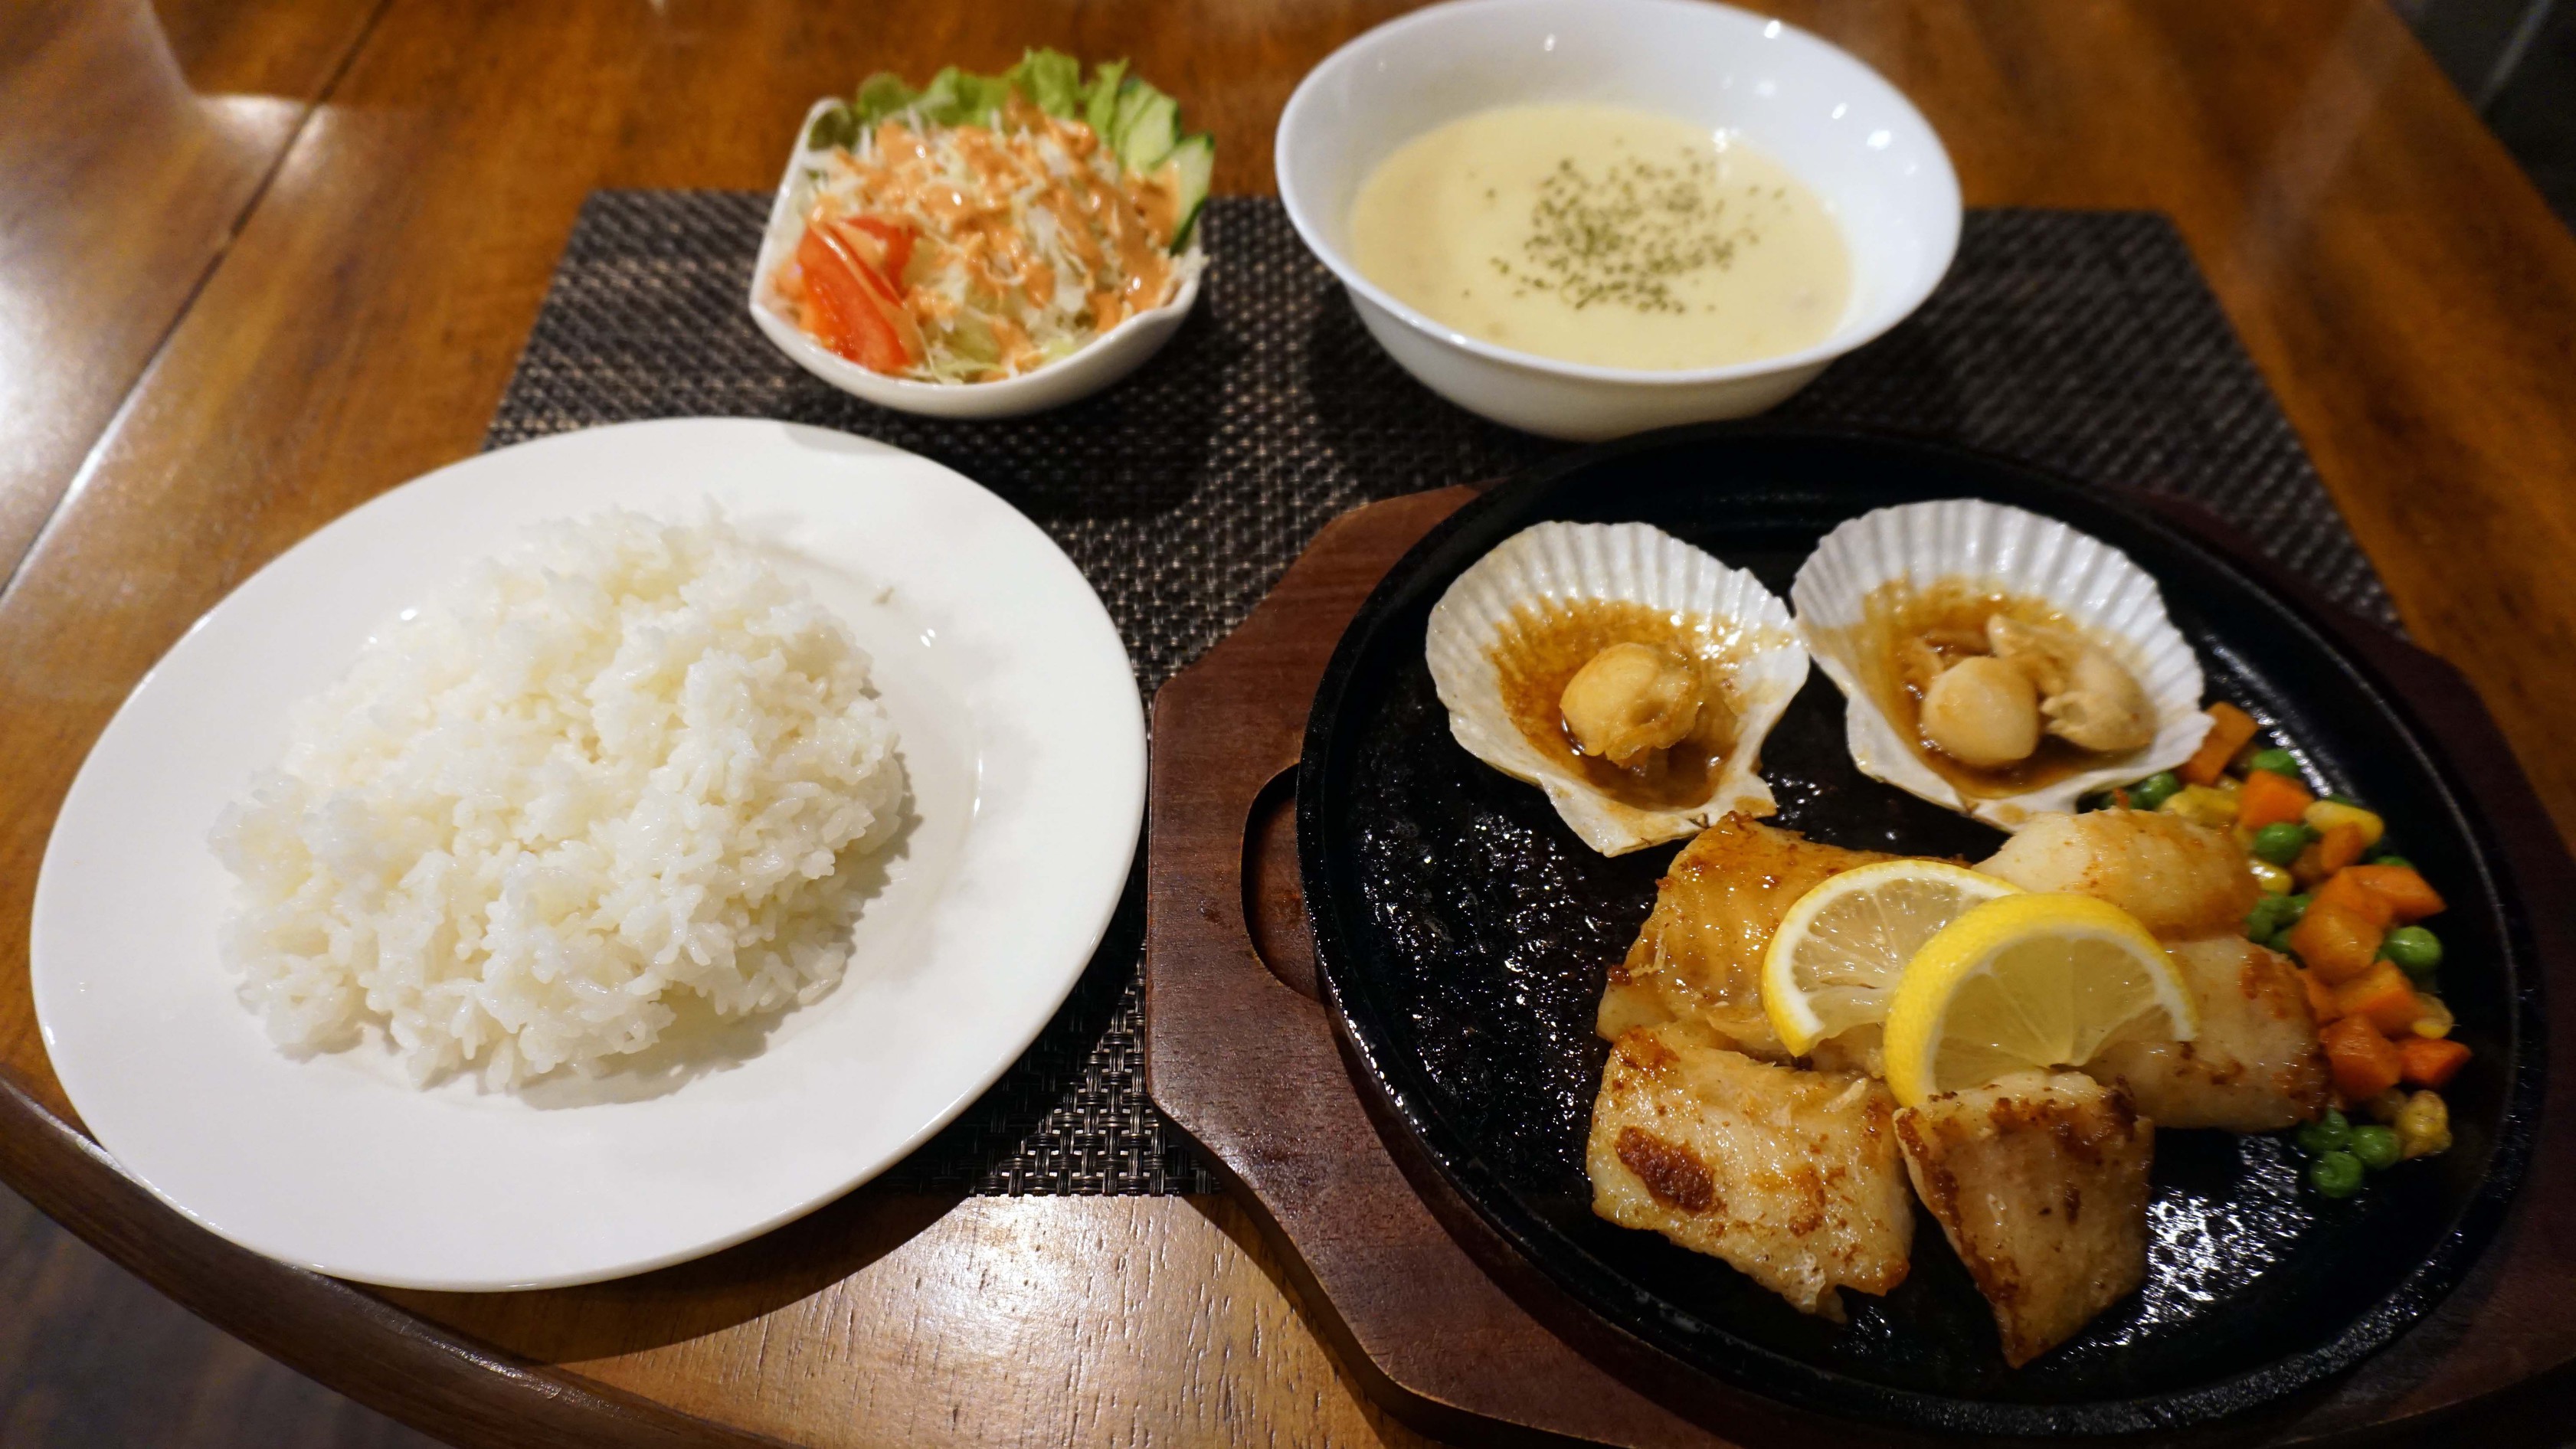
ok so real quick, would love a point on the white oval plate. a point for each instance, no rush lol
(1024, 744)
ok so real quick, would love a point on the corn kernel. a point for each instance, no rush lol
(2272, 878)
(2228, 785)
(2423, 1125)
(2324, 815)
(2433, 1019)
(2202, 805)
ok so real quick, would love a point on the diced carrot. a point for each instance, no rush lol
(2404, 889)
(2270, 799)
(2430, 1061)
(2345, 892)
(2340, 846)
(2381, 996)
(2307, 872)
(2230, 729)
(2321, 998)
(2363, 1062)
(2335, 943)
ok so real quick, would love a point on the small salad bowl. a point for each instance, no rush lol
(1098, 363)
(1832, 121)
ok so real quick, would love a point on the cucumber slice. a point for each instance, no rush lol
(1148, 123)
(1192, 162)
(1100, 98)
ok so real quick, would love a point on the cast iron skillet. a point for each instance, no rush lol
(1463, 933)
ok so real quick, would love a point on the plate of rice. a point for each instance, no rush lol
(589, 855)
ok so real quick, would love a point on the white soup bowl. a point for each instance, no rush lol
(1832, 121)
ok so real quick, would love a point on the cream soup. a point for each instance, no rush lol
(1602, 235)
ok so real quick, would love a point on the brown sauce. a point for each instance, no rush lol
(1907, 635)
(1551, 639)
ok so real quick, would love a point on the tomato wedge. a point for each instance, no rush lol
(898, 246)
(855, 310)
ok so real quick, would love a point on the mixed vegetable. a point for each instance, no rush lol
(984, 226)
(2350, 913)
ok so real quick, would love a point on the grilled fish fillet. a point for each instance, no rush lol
(1699, 957)
(2181, 880)
(1791, 1176)
(2039, 1180)
(2255, 1066)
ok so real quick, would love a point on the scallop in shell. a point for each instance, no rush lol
(1514, 630)
(1882, 584)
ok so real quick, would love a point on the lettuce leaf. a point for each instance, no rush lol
(957, 98)
(880, 96)
(1136, 122)
(1051, 79)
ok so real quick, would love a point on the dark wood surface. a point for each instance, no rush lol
(265, 260)
(1241, 1053)
(91, 1356)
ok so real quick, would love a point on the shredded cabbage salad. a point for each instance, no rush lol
(985, 226)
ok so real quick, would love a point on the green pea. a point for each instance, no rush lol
(2375, 1147)
(2281, 841)
(2271, 916)
(2293, 908)
(2330, 1133)
(2335, 1174)
(2279, 762)
(2398, 861)
(2414, 949)
(2154, 790)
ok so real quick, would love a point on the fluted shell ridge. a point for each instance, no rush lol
(2023, 553)
(1632, 562)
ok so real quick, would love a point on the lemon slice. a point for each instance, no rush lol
(1834, 961)
(2027, 981)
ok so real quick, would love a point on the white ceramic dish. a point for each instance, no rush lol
(1106, 359)
(1833, 121)
(1023, 742)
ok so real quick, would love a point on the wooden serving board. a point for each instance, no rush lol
(1439, 1321)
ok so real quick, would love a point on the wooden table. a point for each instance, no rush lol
(261, 260)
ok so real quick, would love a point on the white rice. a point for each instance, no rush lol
(623, 767)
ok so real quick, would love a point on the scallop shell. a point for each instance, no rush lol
(1615, 561)
(2093, 584)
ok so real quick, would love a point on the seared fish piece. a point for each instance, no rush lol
(1790, 1176)
(2179, 879)
(2039, 1180)
(1699, 957)
(2255, 1066)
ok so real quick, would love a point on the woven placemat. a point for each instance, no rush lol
(2083, 341)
